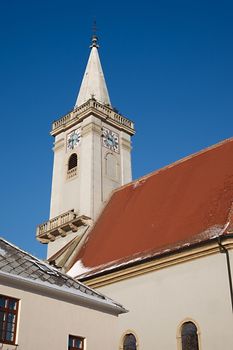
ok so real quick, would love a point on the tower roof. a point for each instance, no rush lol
(93, 83)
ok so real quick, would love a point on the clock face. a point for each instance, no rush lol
(73, 139)
(110, 140)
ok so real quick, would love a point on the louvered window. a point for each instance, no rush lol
(73, 161)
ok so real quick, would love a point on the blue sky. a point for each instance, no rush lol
(168, 66)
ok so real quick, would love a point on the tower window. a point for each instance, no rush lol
(189, 336)
(73, 161)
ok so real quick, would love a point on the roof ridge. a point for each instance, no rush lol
(177, 162)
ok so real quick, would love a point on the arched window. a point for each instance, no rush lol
(129, 342)
(73, 161)
(189, 336)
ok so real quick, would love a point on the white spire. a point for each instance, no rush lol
(93, 83)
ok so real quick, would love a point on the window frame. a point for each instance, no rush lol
(83, 340)
(7, 311)
(179, 333)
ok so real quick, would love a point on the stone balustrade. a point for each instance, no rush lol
(72, 172)
(77, 114)
(60, 226)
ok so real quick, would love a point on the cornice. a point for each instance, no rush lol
(156, 263)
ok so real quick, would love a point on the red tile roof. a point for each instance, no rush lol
(186, 202)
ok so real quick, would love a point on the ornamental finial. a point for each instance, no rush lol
(94, 36)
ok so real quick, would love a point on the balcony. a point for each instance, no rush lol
(60, 226)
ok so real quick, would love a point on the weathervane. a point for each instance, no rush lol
(94, 36)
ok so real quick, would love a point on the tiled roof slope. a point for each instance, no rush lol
(15, 261)
(184, 203)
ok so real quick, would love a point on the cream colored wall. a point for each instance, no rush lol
(126, 158)
(58, 173)
(45, 323)
(160, 300)
(86, 192)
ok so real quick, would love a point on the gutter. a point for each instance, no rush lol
(71, 296)
(224, 250)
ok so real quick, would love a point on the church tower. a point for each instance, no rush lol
(92, 157)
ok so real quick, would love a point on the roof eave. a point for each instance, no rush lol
(61, 293)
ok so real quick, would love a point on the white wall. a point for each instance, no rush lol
(160, 300)
(45, 323)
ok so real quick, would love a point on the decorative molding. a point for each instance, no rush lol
(156, 264)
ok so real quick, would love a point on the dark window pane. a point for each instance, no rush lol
(189, 336)
(78, 344)
(2, 316)
(75, 343)
(2, 301)
(129, 342)
(70, 341)
(9, 336)
(10, 318)
(9, 327)
(12, 304)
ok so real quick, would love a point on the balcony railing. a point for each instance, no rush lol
(60, 226)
